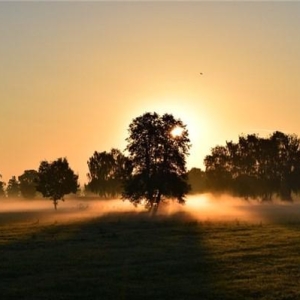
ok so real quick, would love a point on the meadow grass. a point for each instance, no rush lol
(132, 256)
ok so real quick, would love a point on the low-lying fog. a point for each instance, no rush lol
(201, 208)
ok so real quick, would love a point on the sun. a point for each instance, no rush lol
(176, 131)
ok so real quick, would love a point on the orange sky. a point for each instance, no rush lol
(75, 74)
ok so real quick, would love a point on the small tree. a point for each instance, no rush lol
(2, 191)
(28, 182)
(197, 180)
(157, 146)
(56, 179)
(13, 188)
(106, 173)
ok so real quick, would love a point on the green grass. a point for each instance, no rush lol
(126, 256)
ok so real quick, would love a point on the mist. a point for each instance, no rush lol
(70, 210)
(200, 208)
(207, 207)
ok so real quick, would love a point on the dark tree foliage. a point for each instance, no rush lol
(197, 180)
(107, 171)
(56, 179)
(158, 160)
(286, 164)
(28, 181)
(13, 188)
(256, 167)
(2, 188)
(217, 169)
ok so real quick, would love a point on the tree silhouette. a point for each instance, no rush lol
(28, 181)
(197, 180)
(286, 164)
(56, 179)
(13, 188)
(2, 186)
(158, 160)
(106, 173)
(256, 167)
(217, 169)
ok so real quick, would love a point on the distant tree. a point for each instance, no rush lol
(28, 181)
(286, 164)
(107, 171)
(158, 160)
(56, 179)
(197, 180)
(2, 188)
(13, 188)
(217, 172)
(256, 167)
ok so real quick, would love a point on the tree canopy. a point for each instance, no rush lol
(197, 181)
(2, 186)
(56, 179)
(107, 171)
(256, 167)
(27, 183)
(13, 188)
(158, 160)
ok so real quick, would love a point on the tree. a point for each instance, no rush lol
(197, 180)
(217, 169)
(106, 173)
(256, 167)
(286, 164)
(2, 191)
(13, 188)
(158, 160)
(56, 179)
(28, 181)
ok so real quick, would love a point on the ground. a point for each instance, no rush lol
(126, 255)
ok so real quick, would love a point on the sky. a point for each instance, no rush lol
(73, 75)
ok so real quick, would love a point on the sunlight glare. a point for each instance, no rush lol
(176, 131)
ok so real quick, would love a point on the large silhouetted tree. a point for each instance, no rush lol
(13, 187)
(56, 179)
(28, 181)
(158, 160)
(107, 171)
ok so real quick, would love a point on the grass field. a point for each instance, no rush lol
(125, 255)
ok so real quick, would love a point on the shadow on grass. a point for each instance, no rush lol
(284, 214)
(117, 256)
(132, 256)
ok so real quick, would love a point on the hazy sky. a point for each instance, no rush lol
(73, 75)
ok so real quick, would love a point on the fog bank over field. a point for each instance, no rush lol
(207, 207)
(70, 210)
(201, 208)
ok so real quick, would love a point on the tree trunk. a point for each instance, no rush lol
(266, 198)
(55, 204)
(285, 192)
(155, 205)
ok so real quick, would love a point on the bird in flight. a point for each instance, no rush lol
(201, 73)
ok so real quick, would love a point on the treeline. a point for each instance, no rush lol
(52, 180)
(154, 170)
(107, 171)
(24, 185)
(254, 167)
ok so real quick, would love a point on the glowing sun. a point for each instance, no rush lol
(176, 131)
